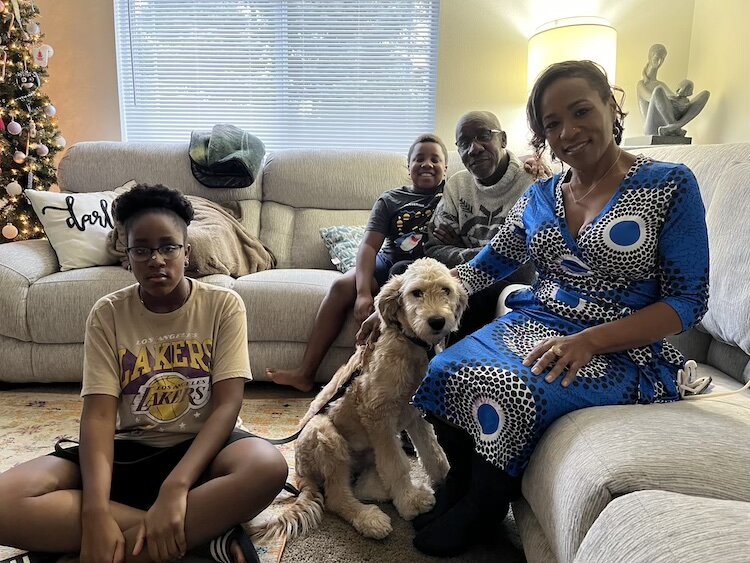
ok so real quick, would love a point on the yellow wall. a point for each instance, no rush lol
(481, 60)
(719, 63)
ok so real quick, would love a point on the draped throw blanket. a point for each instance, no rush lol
(220, 244)
(227, 157)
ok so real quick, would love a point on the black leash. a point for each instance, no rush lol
(339, 393)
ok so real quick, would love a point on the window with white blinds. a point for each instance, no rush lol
(296, 73)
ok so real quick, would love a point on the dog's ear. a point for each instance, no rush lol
(463, 301)
(388, 300)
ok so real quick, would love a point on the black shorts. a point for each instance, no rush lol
(139, 470)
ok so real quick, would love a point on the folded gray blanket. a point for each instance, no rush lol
(227, 157)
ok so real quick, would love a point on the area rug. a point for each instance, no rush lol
(31, 420)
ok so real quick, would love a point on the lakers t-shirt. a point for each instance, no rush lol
(162, 365)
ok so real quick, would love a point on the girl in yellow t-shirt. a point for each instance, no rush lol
(161, 469)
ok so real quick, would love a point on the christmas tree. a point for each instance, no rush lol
(29, 138)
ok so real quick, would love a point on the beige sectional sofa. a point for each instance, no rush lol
(636, 484)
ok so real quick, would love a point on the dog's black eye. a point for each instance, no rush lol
(417, 293)
(447, 290)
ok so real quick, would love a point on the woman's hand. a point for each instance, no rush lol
(569, 353)
(102, 540)
(371, 328)
(364, 306)
(163, 529)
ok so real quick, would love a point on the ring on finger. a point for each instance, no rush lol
(557, 350)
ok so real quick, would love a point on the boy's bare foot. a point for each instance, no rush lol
(292, 377)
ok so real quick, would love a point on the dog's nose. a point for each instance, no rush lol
(436, 323)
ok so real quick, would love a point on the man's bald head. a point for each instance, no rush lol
(486, 118)
(481, 145)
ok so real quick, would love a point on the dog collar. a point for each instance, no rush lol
(429, 348)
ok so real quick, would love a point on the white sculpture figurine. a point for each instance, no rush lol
(664, 112)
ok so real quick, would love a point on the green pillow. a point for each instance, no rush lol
(342, 243)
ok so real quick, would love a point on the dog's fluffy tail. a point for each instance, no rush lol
(302, 517)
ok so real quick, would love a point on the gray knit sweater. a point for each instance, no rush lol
(475, 211)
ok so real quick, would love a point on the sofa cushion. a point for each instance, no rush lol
(664, 527)
(708, 162)
(21, 264)
(294, 234)
(590, 456)
(59, 304)
(728, 317)
(93, 166)
(282, 305)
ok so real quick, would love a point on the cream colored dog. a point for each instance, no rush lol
(418, 309)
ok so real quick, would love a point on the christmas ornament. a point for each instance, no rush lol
(14, 188)
(14, 128)
(60, 141)
(54, 188)
(28, 80)
(42, 150)
(50, 110)
(19, 157)
(33, 28)
(10, 232)
(32, 129)
(2, 5)
(41, 54)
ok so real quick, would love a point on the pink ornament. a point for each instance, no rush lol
(54, 188)
(42, 150)
(14, 188)
(2, 5)
(50, 110)
(19, 157)
(14, 128)
(10, 231)
(60, 141)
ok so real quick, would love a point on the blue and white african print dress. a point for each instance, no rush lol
(648, 244)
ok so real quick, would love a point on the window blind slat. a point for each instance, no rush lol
(296, 73)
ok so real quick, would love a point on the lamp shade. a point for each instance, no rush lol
(573, 39)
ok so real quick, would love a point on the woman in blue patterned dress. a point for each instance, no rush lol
(621, 248)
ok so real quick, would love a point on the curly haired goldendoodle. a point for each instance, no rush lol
(359, 432)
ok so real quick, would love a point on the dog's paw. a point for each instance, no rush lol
(437, 469)
(415, 501)
(372, 522)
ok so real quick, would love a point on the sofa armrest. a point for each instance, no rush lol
(21, 264)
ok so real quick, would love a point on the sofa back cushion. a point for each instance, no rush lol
(707, 162)
(723, 173)
(304, 190)
(103, 165)
(728, 317)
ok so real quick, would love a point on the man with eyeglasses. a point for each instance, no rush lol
(474, 205)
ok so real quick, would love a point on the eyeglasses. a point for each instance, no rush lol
(464, 143)
(144, 253)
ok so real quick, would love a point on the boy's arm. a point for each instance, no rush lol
(364, 272)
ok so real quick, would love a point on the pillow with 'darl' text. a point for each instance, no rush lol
(76, 225)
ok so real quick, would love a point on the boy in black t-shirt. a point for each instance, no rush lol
(395, 232)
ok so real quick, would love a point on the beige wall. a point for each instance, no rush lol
(83, 72)
(481, 60)
(719, 63)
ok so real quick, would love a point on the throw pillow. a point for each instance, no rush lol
(76, 225)
(342, 243)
